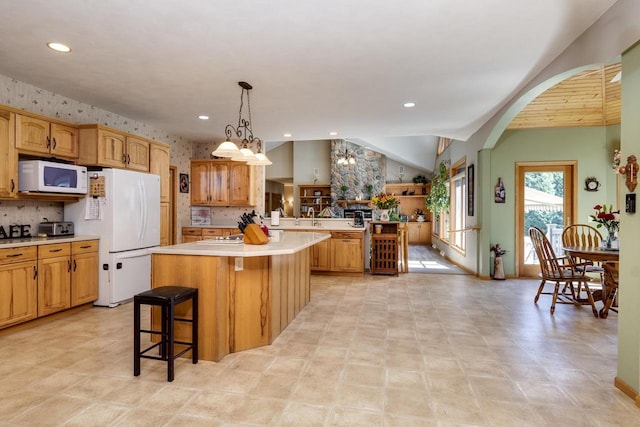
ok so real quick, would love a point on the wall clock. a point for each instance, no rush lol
(591, 183)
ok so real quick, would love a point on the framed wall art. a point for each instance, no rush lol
(184, 183)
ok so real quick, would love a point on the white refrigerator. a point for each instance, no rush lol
(123, 209)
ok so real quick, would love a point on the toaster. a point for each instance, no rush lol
(56, 228)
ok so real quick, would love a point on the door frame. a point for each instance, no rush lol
(570, 188)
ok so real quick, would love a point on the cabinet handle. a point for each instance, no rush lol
(48, 142)
(54, 250)
(35, 272)
(14, 255)
(85, 247)
(128, 159)
(68, 265)
(54, 143)
(75, 265)
(124, 159)
(13, 185)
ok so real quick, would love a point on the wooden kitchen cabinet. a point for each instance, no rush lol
(8, 156)
(54, 277)
(18, 285)
(159, 165)
(193, 234)
(221, 183)
(84, 272)
(38, 136)
(346, 251)
(320, 255)
(420, 232)
(103, 146)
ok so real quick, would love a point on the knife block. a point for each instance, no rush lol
(253, 235)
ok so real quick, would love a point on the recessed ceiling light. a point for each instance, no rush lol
(59, 47)
(333, 133)
(287, 135)
(409, 104)
(203, 117)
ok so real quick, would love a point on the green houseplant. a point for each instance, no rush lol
(369, 188)
(343, 191)
(438, 199)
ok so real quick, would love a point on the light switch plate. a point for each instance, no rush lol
(239, 264)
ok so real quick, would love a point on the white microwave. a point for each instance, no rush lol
(51, 177)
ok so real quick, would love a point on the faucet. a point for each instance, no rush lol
(313, 216)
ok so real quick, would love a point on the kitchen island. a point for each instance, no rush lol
(248, 294)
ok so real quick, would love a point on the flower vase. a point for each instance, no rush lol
(384, 215)
(608, 242)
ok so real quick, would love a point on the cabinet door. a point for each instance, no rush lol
(84, 278)
(241, 184)
(137, 152)
(32, 134)
(320, 256)
(159, 165)
(64, 141)
(17, 292)
(54, 278)
(346, 255)
(414, 232)
(200, 183)
(111, 149)
(165, 224)
(8, 156)
(219, 184)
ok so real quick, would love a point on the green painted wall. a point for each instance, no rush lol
(591, 147)
(629, 316)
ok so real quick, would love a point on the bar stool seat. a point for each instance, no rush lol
(167, 298)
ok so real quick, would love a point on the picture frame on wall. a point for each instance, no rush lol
(470, 189)
(184, 183)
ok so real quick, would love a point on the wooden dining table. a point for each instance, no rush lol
(602, 255)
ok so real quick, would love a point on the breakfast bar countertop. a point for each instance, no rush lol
(30, 241)
(284, 244)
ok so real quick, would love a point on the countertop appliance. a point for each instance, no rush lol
(124, 210)
(51, 177)
(358, 219)
(56, 228)
(350, 213)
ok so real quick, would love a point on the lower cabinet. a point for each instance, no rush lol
(419, 232)
(346, 252)
(320, 259)
(40, 280)
(193, 234)
(54, 278)
(18, 285)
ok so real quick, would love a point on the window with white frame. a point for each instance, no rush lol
(457, 206)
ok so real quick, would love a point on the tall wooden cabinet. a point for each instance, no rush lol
(38, 136)
(8, 156)
(221, 183)
(159, 165)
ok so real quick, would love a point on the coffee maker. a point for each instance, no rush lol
(358, 219)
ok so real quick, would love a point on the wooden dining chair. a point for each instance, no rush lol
(611, 283)
(560, 270)
(584, 235)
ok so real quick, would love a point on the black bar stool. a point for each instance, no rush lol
(166, 297)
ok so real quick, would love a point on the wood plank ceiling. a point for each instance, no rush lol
(588, 98)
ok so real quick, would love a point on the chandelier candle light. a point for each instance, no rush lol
(242, 130)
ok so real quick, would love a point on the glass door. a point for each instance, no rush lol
(545, 200)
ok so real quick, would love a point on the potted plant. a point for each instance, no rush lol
(343, 191)
(421, 179)
(438, 200)
(369, 188)
(384, 202)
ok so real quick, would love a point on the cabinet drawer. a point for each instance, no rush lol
(23, 253)
(54, 250)
(212, 232)
(190, 231)
(346, 235)
(84, 247)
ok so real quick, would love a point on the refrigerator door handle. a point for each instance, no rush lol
(143, 203)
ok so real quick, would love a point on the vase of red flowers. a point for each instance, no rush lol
(607, 218)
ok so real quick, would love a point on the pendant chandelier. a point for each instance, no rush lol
(346, 158)
(244, 132)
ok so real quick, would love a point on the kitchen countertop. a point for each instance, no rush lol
(289, 243)
(30, 241)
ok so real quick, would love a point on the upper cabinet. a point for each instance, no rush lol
(159, 165)
(8, 156)
(221, 183)
(37, 136)
(103, 146)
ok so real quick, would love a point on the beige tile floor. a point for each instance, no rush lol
(413, 350)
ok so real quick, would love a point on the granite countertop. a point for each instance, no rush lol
(30, 241)
(283, 244)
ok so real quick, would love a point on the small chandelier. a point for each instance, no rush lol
(242, 130)
(346, 158)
